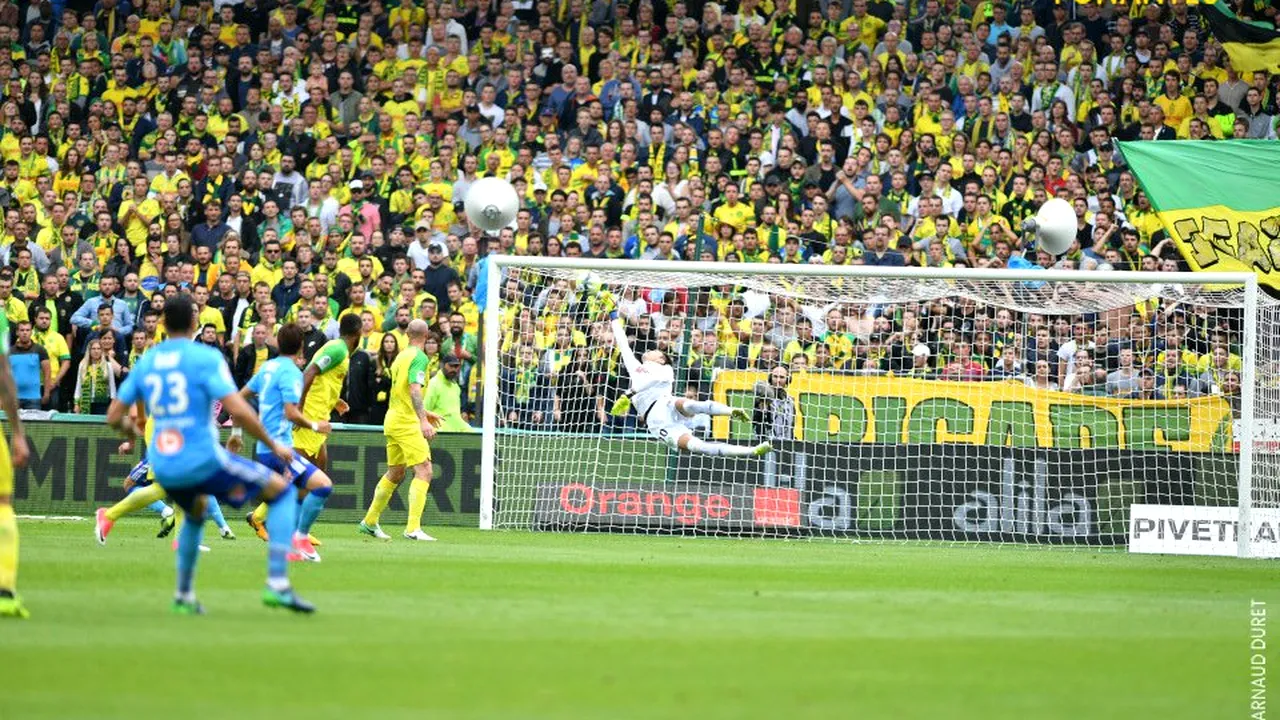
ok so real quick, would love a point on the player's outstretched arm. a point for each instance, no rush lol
(610, 306)
(624, 345)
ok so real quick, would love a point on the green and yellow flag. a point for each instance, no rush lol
(1218, 201)
(1251, 46)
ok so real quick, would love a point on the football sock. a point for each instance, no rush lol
(8, 549)
(312, 504)
(260, 512)
(381, 496)
(703, 447)
(281, 521)
(188, 551)
(213, 511)
(705, 407)
(136, 500)
(158, 507)
(417, 503)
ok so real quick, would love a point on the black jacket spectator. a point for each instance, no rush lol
(284, 295)
(360, 390)
(437, 283)
(311, 342)
(245, 363)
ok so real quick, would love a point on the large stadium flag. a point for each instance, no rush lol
(1218, 201)
(1252, 47)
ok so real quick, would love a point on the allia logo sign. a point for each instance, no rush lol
(1023, 506)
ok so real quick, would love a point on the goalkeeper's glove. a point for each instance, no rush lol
(608, 305)
(621, 406)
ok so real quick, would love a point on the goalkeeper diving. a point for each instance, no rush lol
(664, 415)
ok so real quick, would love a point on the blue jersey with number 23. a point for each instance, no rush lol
(179, 381)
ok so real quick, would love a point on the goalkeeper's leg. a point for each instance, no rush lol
(690, 408)
(694, 444)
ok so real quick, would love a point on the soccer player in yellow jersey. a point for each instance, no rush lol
(408, 427)
(10, 603)
(321, 395)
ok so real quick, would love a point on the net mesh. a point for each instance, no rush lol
(897, 409)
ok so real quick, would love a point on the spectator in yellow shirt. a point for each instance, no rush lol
(1175, 105)
(733, 213)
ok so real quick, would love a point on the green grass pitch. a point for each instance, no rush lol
(524, 625)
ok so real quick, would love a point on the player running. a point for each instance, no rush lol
(141, 492)
(278, 385)
(10, 603)
(664, 415)
(180, 380)
(321, 395)
(408, 427)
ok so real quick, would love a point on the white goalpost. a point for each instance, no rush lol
(953, 405)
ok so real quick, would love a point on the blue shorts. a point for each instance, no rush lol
(235, 483)
(139, 475)
(299, 471)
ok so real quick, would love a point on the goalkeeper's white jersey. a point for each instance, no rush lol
(650, 382)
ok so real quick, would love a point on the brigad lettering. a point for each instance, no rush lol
(1212, 240)
(684, 508)
(896, 411)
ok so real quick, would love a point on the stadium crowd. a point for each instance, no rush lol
(304, 161)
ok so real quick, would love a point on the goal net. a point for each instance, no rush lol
(941, 405)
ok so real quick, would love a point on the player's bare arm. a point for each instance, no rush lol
(18, 450)
(119, 418)
(425, 417)
(246, 418)
(139, 417)
(294, 414)
(308, 376)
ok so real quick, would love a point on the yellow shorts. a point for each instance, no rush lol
(308, 441)
(407, 448)
(6, 468)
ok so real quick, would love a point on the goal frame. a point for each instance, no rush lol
(1248, 375)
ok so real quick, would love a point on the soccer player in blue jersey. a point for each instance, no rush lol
(179, 380)
(278, 385)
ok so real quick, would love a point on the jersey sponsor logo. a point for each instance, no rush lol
(169, 442)
(237, 494)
